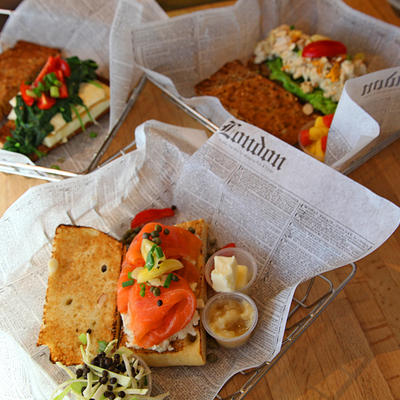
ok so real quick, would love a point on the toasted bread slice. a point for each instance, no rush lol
(257, 100)
(81, 292)
(186, 351)
(17, 65)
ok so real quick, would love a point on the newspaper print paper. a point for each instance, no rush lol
(184, 50)
(296, 224)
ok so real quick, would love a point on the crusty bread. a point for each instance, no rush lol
(17, 65)
(80, 296)
(255, 99)
(186, 352)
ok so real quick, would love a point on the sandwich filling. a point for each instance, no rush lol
(157, 285)
(63, 98)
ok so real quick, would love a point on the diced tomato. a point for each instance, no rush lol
(324, 48)
(324, 140)
(50, 66)
(64, 66)
(328, 120)
(29, 101)
(59, 75)
(45, 102)
(305, 137)
(63, 89)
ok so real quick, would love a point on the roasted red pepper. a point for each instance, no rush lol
(29, 100)
(228, 245)
(45, 102)
(150, 215)
(324, 48)
(305, 137)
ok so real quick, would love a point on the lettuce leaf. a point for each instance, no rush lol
(315, 98)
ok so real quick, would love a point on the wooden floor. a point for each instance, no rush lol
(352, 351)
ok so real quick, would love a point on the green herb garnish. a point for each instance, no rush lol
(168, 280)
(93, 134)
(82, 338)
(127, 283)
(142, 289)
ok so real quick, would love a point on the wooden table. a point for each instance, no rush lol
(353, 350)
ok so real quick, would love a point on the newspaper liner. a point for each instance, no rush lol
(79, 29)
(184, 50)
(295, 223)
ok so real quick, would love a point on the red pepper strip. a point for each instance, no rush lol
(228, 245)
(50, 66)
(327, 119)
(324, 48)
(150, 215)
(45, 102)
(27, 99)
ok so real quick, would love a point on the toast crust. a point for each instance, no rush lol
(80, 295)
(186, 351)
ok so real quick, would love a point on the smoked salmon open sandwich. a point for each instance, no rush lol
(160, 291)
(158, 287)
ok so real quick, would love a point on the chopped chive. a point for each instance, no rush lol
(93, 134)
(54, 92)
(55, 166)
(74, 109)
(168, 280)
(159, 252)
(142, 290)
(31, 93)
(155, 234)
(82, 338)
(166, 231)
(97, 84)
(127, 283)
(146, 235)
(130, 275)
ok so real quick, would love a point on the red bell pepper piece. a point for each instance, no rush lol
(150, 215)
(324, 139)
(27, 99)
(45, 102)
(324, 48)
(327, 119)
(228, 245)
(305, 137)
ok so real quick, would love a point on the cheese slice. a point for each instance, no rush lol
(96, 99)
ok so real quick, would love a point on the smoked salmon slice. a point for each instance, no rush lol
(156, 318)
(150, 323)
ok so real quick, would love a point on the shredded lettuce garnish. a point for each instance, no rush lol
(118, 368)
